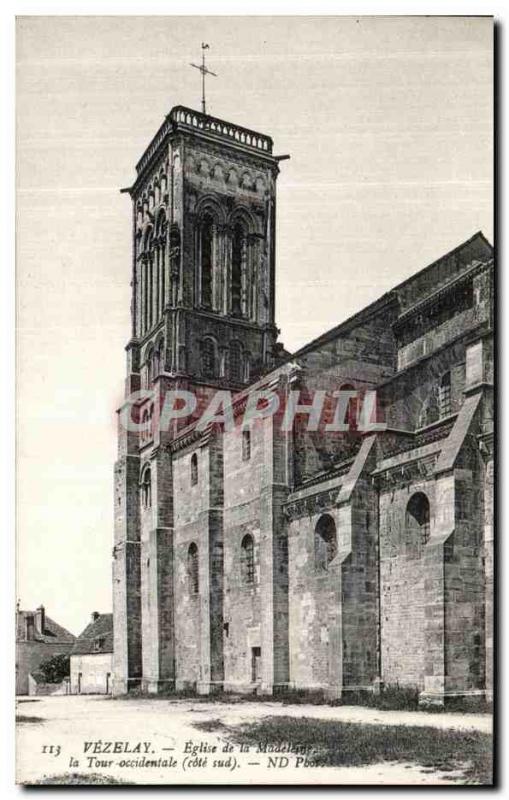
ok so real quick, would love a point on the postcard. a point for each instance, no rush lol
(255, 325)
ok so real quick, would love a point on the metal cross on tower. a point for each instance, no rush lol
(204, 71)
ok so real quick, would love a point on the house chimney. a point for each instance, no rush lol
(40, 619)
(29, 630)
(95, 616)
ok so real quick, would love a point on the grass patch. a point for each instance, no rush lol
(209, 725)
(346, 744)
(76, 778)
(391, 698)
(24, 718)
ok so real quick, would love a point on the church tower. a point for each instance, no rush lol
(204, 204)
(202, 311)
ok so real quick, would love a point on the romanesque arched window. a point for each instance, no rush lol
(351, 409)
(209, 358)
(236, 361)
(160, 255)
(246, 445)
(326, 545)
(206, 260)
(158, 359)
(149, 365)
(247, 566)
(194, 469)
(150, 432)
(193, 568)
(417, 523)
(146, 489)
(145, 425)
(148, 283)
(239, 252)
(444, 395)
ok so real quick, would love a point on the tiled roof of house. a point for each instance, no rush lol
(52, 633)
(96, 638)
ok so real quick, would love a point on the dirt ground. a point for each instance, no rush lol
(156, 742)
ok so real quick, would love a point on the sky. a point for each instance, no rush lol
(388, 122)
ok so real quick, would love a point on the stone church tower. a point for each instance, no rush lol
(265, 557)
(202, 310)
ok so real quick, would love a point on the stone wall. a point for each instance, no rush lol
(256, 614)
(198, 614)
(403, 584)
(36, 687)
(91, 673)
(30, 655)
(315, 611)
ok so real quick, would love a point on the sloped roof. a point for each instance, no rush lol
(96, 638)
(477, 246)
(53, 632)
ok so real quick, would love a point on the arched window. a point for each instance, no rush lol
(209, 358)
(247, 567)
(146, 424)
(351, 409)
(326, 545)
(238, 269)
(193, 568)
(158, 358)
(146, 489)
(160, 272)
(206, 260)
(236, 362)
(148, 293)
(149, 366)
(444, 395)
(150, 428)
(246, 445)
(417, 527)
(194, 469)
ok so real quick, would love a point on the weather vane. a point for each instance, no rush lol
(204, 71)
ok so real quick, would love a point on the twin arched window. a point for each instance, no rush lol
(237, 304)
(326, 545)
(193, 568)
(247, 565)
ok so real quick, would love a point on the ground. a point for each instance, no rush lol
(159, 730)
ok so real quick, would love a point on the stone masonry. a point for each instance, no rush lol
(263, 557)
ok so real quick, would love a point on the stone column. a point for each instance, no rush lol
(157, 588)
(126, 567)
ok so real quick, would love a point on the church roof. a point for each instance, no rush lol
(415, 288)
